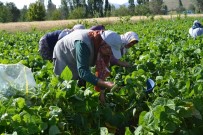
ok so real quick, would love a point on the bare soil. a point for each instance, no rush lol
(46, 25)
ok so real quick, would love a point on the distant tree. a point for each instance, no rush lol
(50, 9)
(1, 3)
(36, 12)
(75, 6)
(5, 14)
(164, 9)
(142, 9)
(77, 13)
(199, 6)
(79, 3)
(180, 3)
(131, 7)
(90, 8)
(23, 14)
(64, 9)
(180, 7)
(107, 8)
(56, 15)
(15, 12)
(71, 4)
(51, 6)
(155, 6)
(142, 1)
(85, 6)
(98, 8)
(95, 8)
(191, 7)
(180, 10)
(121, 11)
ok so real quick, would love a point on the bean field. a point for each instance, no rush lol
(165, 53)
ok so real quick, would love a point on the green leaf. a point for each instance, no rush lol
(17, 118)
(54, 130)
(138, 130)
(43, 126)
(127, 131)
(45, 96)
(170, 127)
(151, 122)
(164, 102)
(141, 118)
(54, 81)
(198, 51)
(159, 78)
(87, 92)
(66, 74)
(196, 113)
(27, 118)
(4, 116)
(188, 84)
(15, 133)
(157, 111)
(21, 102)
(55, 110)
(60, 93)
(33, 128)
(103, 131)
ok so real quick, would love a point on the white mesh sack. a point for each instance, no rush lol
(16, 79)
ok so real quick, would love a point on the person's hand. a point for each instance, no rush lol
(105, 84)
(124, 64)
(109, 85)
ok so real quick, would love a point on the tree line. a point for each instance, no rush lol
(79, 9)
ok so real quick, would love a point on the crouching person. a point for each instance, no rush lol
(82, 49)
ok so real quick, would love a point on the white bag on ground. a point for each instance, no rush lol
(16, 79)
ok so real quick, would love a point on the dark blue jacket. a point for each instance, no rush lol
(98, 27)
(52, 38)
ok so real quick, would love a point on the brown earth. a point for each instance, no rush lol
(46, 25)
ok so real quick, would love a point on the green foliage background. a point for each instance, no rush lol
(165, 53)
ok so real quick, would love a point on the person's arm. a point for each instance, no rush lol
(82, 57)
(64, 33)
(105, 84)
(123, 63)
(118, 62)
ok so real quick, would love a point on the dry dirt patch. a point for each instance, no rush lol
(45, 25)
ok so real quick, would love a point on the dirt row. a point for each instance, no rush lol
(45, 25)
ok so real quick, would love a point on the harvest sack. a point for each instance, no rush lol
(16, 79)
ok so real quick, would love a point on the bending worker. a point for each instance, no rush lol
(82, 49)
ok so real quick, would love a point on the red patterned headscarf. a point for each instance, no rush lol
(101, 61)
